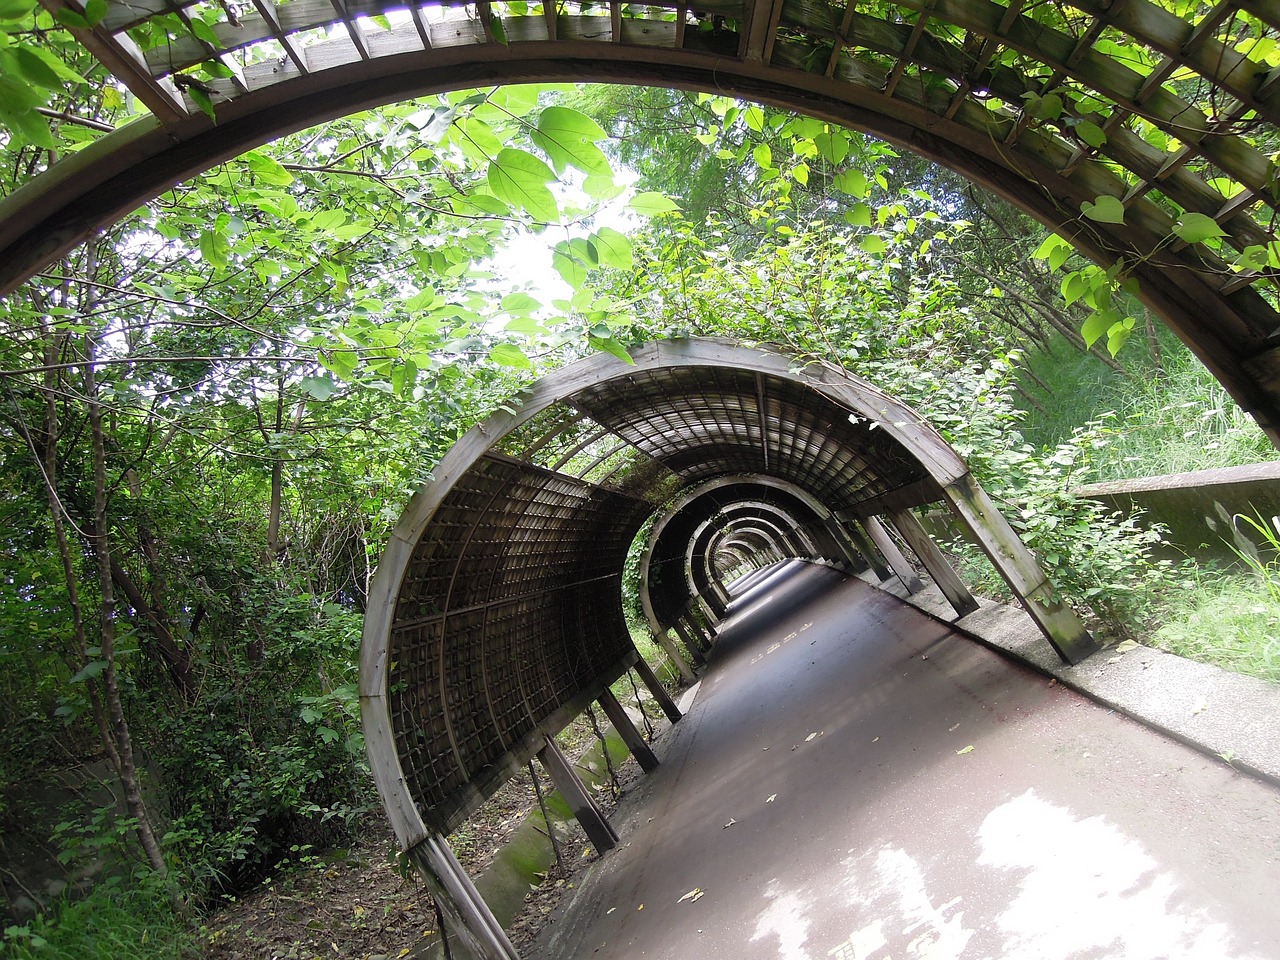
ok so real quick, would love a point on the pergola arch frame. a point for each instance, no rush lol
(915, 86)
(917, 467)
(659, 625)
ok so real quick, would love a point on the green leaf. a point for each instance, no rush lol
(613, 248)
(32, 127)
(69, 18)
(1096, 326)
(754, 118)
(15, 9)
(584, 250)
(873, 244)
(1196, 228)
(1054, 249)
(509, 355)
(58, 67)
(852, 181)
(95, 11)
(1118, 335)
(324, 221)
(498, 30)
(520, 302)
(341, 362)
(475, 139)
(568, 137)
(653, 204)
(488, 203)
(521, 179)
(201, 100)
(610, 345)
(318, 388)
(1090, 133)
(33, 68)
(1074, 286)
(562, 123)
(214, 248)
(602, 188)
(90, 670)
(422, 300)
(570, 268)
(833, 146)
(202, 31)
(800, 173)
(763, 156)
(267, 169)
(859, 215)
(1107, 209)
(1048, 107)
(583, 154)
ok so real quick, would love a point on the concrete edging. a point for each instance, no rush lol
(1223, 714)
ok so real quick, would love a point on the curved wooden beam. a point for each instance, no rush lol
(1233, 331)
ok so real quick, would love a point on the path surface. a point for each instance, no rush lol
(855, 781)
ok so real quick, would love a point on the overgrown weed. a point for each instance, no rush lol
(133, 919)
(1229, 620)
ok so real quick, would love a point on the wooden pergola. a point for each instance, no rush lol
(496, 615)
(1166, 108)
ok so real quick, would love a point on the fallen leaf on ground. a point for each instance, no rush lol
(810, 737)
(692, 896)
(730, 823)
(772, 797)
(968, 749)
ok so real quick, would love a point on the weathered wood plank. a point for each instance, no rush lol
(593, 821)
(1020, 569)
(632, 737)
(933, 560)
(889, 550)
(474, 922)
(655, 687)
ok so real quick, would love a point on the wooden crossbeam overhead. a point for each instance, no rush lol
(271, 17)
(949, 78)
(120, 55)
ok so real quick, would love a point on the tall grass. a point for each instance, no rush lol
(132, 920)
(1231, 620)
(1163, 419)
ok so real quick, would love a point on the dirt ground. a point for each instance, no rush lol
(360, 903)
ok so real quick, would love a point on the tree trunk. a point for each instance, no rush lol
(71, 580)
(107, 617)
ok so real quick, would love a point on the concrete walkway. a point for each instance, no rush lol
(854, 780)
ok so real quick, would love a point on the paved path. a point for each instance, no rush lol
(854, 781)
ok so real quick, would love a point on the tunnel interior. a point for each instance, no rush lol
(497, 613)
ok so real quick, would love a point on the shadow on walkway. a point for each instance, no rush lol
(854, 780)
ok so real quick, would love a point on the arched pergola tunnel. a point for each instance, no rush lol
(1110, 122)
(497, 612)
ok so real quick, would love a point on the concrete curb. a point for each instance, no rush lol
(1223, 714)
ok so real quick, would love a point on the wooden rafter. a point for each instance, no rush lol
(121, 56)
(354, 30)
(271, 17)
